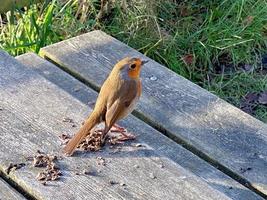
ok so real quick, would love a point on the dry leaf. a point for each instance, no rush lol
(248, 20)
(263, 98)
(188, 59)
(249, 102)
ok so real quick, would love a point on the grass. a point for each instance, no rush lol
(216, 44)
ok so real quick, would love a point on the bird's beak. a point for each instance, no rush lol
(144, 62)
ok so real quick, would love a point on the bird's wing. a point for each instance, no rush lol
(118, 109)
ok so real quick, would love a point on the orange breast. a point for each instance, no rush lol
(134, 73)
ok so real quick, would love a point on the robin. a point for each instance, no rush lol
(117, 99)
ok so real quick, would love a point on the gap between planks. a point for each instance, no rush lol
(15, 186)
(29, 58)
(26, 110)
(168, 134)
(232, 172)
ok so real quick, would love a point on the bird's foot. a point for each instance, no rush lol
(119, 139)
(123, 131)
(117, 128)
(128, 136)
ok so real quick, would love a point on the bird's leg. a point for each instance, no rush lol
(104, 135)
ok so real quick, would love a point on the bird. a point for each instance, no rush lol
(116, 100)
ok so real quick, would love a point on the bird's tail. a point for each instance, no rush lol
(90, 123)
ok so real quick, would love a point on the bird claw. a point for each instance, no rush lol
(117, 128)
(119, 140)
(103, 139)
(128, 136)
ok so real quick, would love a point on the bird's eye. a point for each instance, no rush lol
(132, 66)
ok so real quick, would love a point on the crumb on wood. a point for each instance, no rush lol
(85, 172)
(243, 170)
(122, 184)
(111, 182)
(136, 166)
(101, 161)
(51, 171)
(67, 119)
(13, 167)
(152, 176)
(44, 182)
(93, 141)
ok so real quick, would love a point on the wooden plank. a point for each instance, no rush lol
(154, 139)
(205, 124)
(8, 193)
(32, 109)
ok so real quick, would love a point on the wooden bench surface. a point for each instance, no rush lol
(9, 193)
(159, 142)
(216, 131)
(32, 110)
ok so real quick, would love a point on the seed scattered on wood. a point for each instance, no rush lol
(243, 170)
(44, 182)
(152, 176)
(122, 184)
(93, 141)
(12, 167)
(111, 182)
(65, 138)
(51, 172)
(67, 119)
(101, 161)
(88, 172)
(136, 166)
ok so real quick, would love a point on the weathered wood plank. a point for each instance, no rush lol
(8, 193)
(225, 135)
(32, 109)
(157, 141)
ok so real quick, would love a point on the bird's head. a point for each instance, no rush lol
(130, 67)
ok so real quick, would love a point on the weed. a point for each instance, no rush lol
(216, 44)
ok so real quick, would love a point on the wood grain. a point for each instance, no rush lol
(8, 193)
(32, 112)
(209, 126)
(157, 141)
